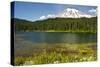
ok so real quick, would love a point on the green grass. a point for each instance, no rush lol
(60, 54)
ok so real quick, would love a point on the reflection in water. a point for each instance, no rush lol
(70, 38)
(40, 37)
(33, 38)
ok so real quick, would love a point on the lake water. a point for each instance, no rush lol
(27, 38)
(25, 43)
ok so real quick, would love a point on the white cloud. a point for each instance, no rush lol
(51, 16)
(42, 17)
(93, 11)
(48, 16)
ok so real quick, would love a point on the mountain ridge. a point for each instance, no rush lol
(68, 13)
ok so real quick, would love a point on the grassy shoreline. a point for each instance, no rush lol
(59, 54)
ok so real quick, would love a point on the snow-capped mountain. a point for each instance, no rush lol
(68, 13)
(73, 13)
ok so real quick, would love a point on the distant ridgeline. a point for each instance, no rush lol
(57, 25)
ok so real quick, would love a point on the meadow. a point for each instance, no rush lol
(57, 53)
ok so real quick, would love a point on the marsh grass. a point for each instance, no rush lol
(59, 54)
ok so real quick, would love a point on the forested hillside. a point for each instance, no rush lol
(57, 25)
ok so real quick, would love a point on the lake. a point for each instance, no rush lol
(32, 38)
(27, 44)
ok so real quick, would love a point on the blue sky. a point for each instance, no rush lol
(33, 11)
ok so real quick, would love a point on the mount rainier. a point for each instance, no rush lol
(68, 13)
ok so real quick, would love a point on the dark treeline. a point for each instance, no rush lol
(57, 24)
